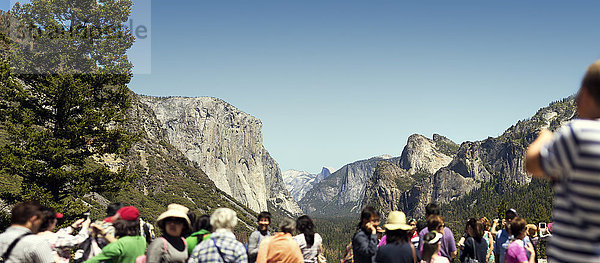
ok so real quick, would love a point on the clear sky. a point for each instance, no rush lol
(335, 81)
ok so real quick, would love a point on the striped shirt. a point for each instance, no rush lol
(572, 160)
(223, 241)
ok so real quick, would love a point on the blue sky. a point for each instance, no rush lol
(338, 81)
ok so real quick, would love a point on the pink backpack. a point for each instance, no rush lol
(142, 258)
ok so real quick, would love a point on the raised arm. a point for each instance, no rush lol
(533, 163)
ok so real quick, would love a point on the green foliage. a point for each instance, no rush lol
(63, 36)
(533, 202)
(337, 233)
(62, 102)
(447, 147)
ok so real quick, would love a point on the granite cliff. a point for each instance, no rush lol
(300, 182)
(226, 144)
(341, 192)
(498, 160)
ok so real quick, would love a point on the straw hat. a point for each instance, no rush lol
(397, 220)
(175, 210)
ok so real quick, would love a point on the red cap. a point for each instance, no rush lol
(59, 215)
(129, 213)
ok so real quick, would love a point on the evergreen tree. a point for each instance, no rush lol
(63, 96)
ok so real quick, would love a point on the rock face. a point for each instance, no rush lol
(406, 185)
(342, 192)
(300, 182)
(164, 175)
(431, 177)
(426, 155)
(226, 143)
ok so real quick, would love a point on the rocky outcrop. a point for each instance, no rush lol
(343, 191)
(498, 160)
(426, 155)
(226, 144)
(300, 182)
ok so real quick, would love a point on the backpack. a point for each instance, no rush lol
(349, 256)
(142, 258)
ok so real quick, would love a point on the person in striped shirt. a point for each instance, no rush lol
(570, 157)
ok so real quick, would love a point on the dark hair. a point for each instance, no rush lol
(434, 222)
(305, 225)
(591, 81)
(111, 209)
(510, 214)
(48, 217)
(421, 225)
(432, 209)
(199, 223)
(429, 249)
(517, 226)
(263, 214)
(22, 212)
(366, 214)
(125, 228)
(477, 228)
(398, 236)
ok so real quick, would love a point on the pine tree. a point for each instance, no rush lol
(63, 96)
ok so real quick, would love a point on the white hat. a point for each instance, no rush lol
(175, 210)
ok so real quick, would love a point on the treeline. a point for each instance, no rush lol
(336, 233)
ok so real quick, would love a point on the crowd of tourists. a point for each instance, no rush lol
(402, 241)
(124, 237)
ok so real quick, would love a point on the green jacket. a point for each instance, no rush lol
(124, 250)
(192, 240)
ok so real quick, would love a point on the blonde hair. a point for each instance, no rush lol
(223, 218)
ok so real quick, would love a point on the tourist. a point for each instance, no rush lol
(263, 221)
(447, 246)
(281, 247)
(398, 248)
(503, 236)
(570, 158)
(62, 241)
(130, 244)
(431, 248)
(474, 246)
(517, 249)
(222, 245)
(309, 241)
(201, 231)
(18, 243)
(489, 239)
(364, 242)
(171, 246)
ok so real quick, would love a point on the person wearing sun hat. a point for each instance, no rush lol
(431, 248)
(130, 244)
(171, 246)
(398, 247)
